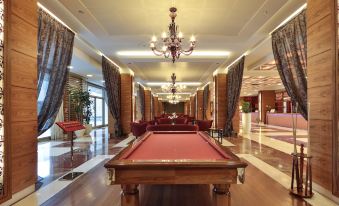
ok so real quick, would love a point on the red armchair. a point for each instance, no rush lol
(204, 125)
(138, 129)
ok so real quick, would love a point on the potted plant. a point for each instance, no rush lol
(81, 104)
(246, 117)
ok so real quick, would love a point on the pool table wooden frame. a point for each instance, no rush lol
(131, 173)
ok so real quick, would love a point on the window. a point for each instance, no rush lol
(99, 108)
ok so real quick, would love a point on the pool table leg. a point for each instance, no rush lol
(129, 195)
(221, 195)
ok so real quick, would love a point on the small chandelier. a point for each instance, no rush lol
(172, 87)
(172, 41)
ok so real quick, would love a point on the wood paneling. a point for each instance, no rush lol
(26, 10)
(24, 171)
(126, 102)
(24, 70)
(200, 99)
(320, 35)
(148, 99)
(267, 100)
(220, 100)
(21, 48)
(22, 35)
(321, 51)
(21, 145)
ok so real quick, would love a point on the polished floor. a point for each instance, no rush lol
(266, 149)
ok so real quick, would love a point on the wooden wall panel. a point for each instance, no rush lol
(21, 48)
(267, 99)
(192, 105)
(148, 111)
(220, 100)
(321, 58)
(21, 145)
(24, 70)
(22, 34)
(27, 176)
(200, 99)
(126, 102)
(22, 103)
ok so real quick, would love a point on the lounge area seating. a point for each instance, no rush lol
(138, 129)
(170, 127)
(165, 121)
(204, 125)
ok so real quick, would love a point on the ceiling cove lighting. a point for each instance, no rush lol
(195, 54)
(177, 83)
(171, 41)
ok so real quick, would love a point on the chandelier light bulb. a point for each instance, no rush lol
(180, 35)
(154, 38)
(152, 45)
(164, 48)
(192, 38)
(163, 35)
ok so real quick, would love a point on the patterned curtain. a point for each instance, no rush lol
(55, 48)
(289, 44)
(142, 101)
(112, 79)
(233, 82)
(205, 95)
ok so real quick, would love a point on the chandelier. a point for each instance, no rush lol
(172, 41)
(172, 87)
(173, 98)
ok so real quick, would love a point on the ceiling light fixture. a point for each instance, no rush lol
(172, 41)
(197, 53)
(177, 83)
(89, 75)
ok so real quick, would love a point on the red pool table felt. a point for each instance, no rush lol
(175, 146)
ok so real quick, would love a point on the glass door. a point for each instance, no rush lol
(99, 108)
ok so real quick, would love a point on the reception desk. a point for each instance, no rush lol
(285, 120)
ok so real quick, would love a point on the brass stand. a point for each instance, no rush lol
(303, 186)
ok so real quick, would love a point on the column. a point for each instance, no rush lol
(148, 112)
(200, 100)
(126, 102)
(220, 100)
(267, 101)
(321, 70)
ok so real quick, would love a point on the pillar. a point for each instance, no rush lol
(126, 102)
(200, 100)
(148, 111)
(220, 100)
(266, 101)
(322, 92)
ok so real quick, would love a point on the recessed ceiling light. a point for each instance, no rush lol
(70, 67)
(103, 81)
(89, 75)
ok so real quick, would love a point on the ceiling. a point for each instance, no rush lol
(233, 26)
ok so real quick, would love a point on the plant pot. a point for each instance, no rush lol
(246, 123)
(80, 133)
(88, 129)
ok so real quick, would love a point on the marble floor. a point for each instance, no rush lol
(266, 149)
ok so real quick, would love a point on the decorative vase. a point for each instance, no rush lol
(88, 129)
(246, 123)
(80, 133)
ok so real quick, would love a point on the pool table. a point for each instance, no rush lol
(174, 158)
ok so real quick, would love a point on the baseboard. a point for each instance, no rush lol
(325, 192)
(19, 195)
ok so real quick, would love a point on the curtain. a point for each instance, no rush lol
(233, 82)
(289, 44)
(142, 101)
(55, 48)
(112, 79)
(205, 95)
(56, 132)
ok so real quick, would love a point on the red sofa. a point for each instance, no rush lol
(164, 121)
(171, 127)
(180, 121)
(204, 125)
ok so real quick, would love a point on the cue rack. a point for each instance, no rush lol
(69, 128)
